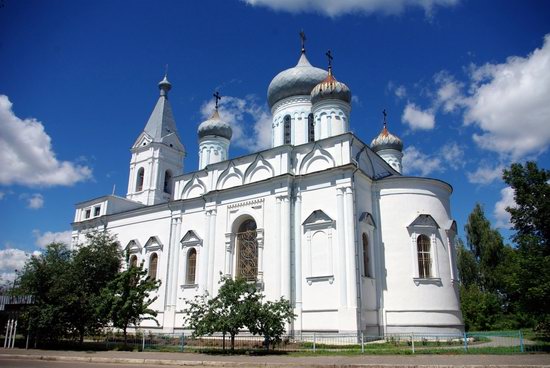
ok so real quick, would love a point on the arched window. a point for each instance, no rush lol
(287, 129)
(139, 180)
(247, 251)
(133, 261)
(168, 182)
(424, 257)
(310, 128)
(366, 267)
(191, 266)
(153, 262)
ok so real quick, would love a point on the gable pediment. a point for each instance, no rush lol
(153, 244)
(318, 219)
(190, 239)
(133, 246)
(144, 139)
(367, 218)
(424, 221)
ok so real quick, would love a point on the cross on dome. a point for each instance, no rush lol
(217, 97)
(303, 40)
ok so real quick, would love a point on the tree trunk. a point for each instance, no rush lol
(223, 343)
(232, 342)
(125, 335)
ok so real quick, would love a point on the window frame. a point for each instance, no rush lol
(140, 179)
(150, 274)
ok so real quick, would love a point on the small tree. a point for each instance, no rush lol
(126, 298)
(269, 318)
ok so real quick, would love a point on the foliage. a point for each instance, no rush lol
(268, 319)
(126, 300)
(239, 304)
(530, 284)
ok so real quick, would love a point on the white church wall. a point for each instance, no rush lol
(428, 302)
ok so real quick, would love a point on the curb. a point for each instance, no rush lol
(204, 363)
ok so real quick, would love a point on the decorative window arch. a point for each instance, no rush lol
(153, 263)
(423, 248)
(310, 128)
(247, 250)
(168, 182)
(287, 130)
(140, 178)
(366, 257)
(191, 267)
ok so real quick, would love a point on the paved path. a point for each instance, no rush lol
(190, 359)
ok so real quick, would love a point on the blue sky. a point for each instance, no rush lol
(466, 85)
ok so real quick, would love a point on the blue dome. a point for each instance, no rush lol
(215, 127)
(296, 81)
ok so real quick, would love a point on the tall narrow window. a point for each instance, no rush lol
(424, 257)
(247, 251)
(287, 129)
(133, 261)
(366, 267)
(153, 262)
(191, 266)
(310, 128)
(168, 182)
(139, 180)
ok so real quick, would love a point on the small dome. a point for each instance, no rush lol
(386, 140)
(330, 88)
(296, 81)
(215, 126)
(164, 86)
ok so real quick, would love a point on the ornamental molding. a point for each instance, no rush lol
(252, 203)
(290, 101)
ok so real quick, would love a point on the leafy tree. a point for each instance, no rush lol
(531, 222)
(269, 318)
(126, 298)
(47, 278)
(93, 266)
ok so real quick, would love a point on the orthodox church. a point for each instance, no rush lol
(320, 218)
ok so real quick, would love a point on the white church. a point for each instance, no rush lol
(320, 218)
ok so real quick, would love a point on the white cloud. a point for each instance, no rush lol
(415, 161)
(35, 201)
(401, 91)
(2, 195)
(249, 120)
(485, 174)
(453, 155)
(26, 155)
(417, 118)
(43, 239)
(510, 103)
(333, 8)
(449, 94)
(11, 260)
(502, 216)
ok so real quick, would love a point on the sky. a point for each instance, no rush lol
(466, 85)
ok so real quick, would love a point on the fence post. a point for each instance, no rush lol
(465, 342)
(142, 340)
(521, 347)
(182, 341)
(362, 342)
(314, 342)
(412, 341)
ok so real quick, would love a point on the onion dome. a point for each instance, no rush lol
(386, 140)
(164, 86)
(215, 126)
(296, 81)
(330, 88)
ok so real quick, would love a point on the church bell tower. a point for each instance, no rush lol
(157, 155)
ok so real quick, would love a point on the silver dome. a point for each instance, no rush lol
(296, 81)
(330, 88)
(215, 126)
(386, 140)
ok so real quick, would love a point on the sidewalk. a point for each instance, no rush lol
(187, 359)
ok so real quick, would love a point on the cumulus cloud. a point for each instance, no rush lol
(485, 174)
(333, 8)
(449, 94)
(502, 216)
(43, 239)
(417, 118)
(417, 162)
(26, 154)
(11, 260)
(400, 92)
(35, 201)
(249, 120)
(453, 154)
(509, 102)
